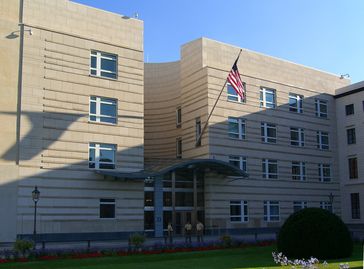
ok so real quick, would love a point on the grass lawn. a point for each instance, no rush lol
(254, 257)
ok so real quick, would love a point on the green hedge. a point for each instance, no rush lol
(315, 232)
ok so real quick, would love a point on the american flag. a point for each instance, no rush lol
(235, 80)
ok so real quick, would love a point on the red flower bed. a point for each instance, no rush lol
(48, 258)
(4, 261)
(87, 255)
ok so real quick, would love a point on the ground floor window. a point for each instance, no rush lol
(298, 205)
(271, 211)
(107, 208)
(326, 205)
(355, 205)
(238, 211)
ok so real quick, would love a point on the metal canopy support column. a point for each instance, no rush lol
(158, 206)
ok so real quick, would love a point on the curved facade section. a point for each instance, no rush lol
(162, 98)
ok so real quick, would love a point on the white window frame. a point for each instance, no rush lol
(265, 167)
(263, 97)
(322, 167)
(235, 97)
(301, 137)
(298, 108)
(319, 113)
(107, 203)
(241, 160)
(302, 171)
(241, 128)
(179, 147)
(178, 117)
(103, 55)
(99, 101)
(320, 135)
(98, 147)
(244, 215)
(299, 205)
(267, 211)
(264, 132)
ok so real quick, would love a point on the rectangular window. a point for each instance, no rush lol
(236, 128)
(101, 156)
(270, 168)
(295, 103)
(353, 168)
(299, 171)
(149, 220)
(271, 211)
(297, 137)
(103, 109)
(232, 95)
(324, 172)
(268, 132)
(198, 131)
(267, 97)
(178, 117)
(326, 205)
(322, 139)
(298, 205)
(107, 208)
(239, 211)
(351, 137)
(355, 205)
(321, 108)
(238, 161)
(349, 109)
(179, 147)
(103, 64)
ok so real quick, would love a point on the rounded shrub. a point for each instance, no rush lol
(314, 232)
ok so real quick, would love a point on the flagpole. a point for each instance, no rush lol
(212, 110)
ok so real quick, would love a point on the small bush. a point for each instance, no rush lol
(137, 240)
(226, 241)
(314, 232)
(23, 246)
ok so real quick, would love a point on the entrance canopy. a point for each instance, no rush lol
(164, 167)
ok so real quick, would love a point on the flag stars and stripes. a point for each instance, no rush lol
(235, 80)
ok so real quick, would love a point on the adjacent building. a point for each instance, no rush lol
(350, 132)
(113, 143)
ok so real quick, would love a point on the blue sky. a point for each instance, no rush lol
(323, 34)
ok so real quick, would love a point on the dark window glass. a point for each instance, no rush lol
(167, 199)
(148, 198)
(184, 198)
(93, 62)
(109, 65)
(353, 168)
(148, 220)
(109, 75)
(349, 109)
(355, 205)
(107, 208)
(351, 136)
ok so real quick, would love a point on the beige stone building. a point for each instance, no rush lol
(112, 143)
(350, 135)
(71, 103)
(284, 134)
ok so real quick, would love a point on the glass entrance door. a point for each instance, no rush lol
(182, 217)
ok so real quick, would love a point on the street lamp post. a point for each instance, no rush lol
(35, 197)
(331, 200)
